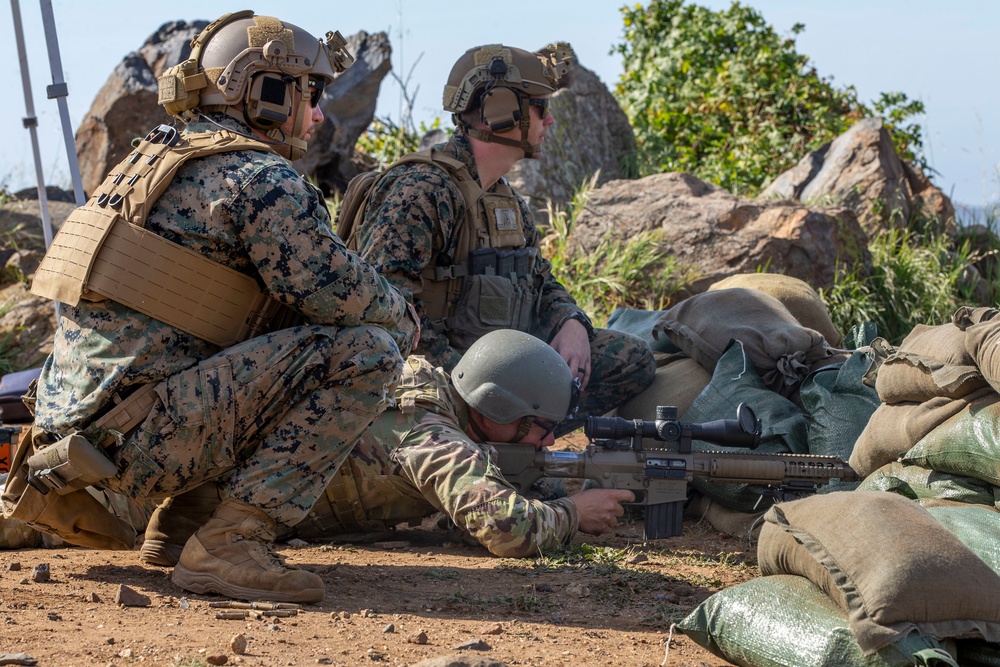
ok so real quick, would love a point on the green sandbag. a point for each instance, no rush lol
(787, 621)
(976, 527)
(784, 424)
(640, 323)
(967, 443)
(838, 405)
(917, 483)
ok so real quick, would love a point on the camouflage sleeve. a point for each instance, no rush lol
(556, 302)
(458, 477)
(285, 229)
(409, 214)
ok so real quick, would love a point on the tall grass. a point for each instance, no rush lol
(916, 278)
(633, 273)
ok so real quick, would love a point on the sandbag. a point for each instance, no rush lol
(931, 361)
(784, 425)
(967, 444)
(982, 341)
(745, 525)
(918, 483)
(787, 621)
(640, 323)
(838, 405)
(677, 383)
(782, 350)
(796, 295)
(886, 562)
(895, 429)
(976, 526)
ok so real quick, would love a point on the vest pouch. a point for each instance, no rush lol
(487, 303)
(76, 517)
(67, 465)
(525, 305)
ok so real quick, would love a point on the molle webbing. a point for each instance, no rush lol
(103, 250)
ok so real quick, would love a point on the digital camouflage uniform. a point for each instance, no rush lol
(410, 222)
(271, 417)
(417, 460)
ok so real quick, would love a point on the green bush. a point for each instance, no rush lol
(722, 96)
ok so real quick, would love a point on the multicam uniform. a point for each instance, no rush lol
(273, 416)
(412, 224)
(417, 460)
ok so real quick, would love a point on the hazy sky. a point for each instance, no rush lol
(945, 54)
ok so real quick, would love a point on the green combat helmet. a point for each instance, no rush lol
(507, 375)
(500, 80)
(261, 62)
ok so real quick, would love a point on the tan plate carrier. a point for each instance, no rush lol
(103, 250)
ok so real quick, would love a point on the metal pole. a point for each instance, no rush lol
(59, 91)
(31, 123)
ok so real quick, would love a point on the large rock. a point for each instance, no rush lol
(716, 234)
(349, 108)
(591, 134)
(125, 107)
(861, 170)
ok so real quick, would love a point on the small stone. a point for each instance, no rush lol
(639, 558)
(367, 613)
(491, 629)
(274, 628)
(344, 615)
(54, 616)
(472, 645)
(183, 603)
(238, 644)
(216, 659)
(128, 597)
(544, 587)
(296, 543)
(419, 637)
(109, 640)
(93, 597)
(127, 653)
(578, 589)
(324, 661)
(375, 656)
(23, 581)
(388, 628)
(13, 566)
(40, 573)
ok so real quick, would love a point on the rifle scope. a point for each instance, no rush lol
(744, 431)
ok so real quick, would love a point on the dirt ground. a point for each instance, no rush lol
(608, 600)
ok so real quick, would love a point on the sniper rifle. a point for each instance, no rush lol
(617, 458)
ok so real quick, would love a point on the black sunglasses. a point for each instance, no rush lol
(316, 87)
(542, 103)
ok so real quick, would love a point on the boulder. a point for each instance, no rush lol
(591, 135)
(349, 108)
(714, 234)
(125, 107)
(861, 170)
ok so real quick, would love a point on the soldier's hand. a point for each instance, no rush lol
(573, 345)
(600, 509)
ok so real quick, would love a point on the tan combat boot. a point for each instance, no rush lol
(174, 521)
(232, 555)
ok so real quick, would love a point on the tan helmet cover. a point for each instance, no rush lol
(508, 374)
(229, 62)
(500, 80)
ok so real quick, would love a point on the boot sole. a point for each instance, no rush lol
(203, 582)
(158, 552)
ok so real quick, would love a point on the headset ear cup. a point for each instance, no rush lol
(268, 102)
(501, 109)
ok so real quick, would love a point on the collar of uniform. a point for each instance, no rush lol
(224, 119)
(458, 147)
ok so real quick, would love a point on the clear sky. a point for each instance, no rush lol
(945, 54)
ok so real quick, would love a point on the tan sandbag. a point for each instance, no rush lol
(887, 562)
(782, 350)
(931, 361)
(983, 344)
(678, 383)
(796, 295)
(893, 430)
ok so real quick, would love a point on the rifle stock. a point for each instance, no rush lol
(659, 477)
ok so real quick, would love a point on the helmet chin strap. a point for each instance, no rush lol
(531, 151)
(296, 147)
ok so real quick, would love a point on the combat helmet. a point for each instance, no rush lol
(501, 80)
(260, 61)
(508, 374)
